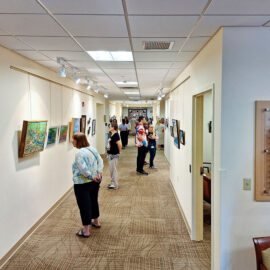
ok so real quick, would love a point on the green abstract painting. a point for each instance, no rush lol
(33, 137)
(52, 133)
(63, 134)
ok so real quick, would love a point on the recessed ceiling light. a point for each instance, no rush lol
(122, 56)
(100, 55)
(106, 96)
(132, 93)
(126, 83)
(116, 56)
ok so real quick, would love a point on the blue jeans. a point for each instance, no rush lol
(152, 150)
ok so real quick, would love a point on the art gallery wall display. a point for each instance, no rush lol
(210, 126)
(167, 122)
(75, 127)
(89, 130)
(32, 138)
(52, 134)
(182, 137)
(83, 124)
(93, 127)
(89, 121)
(176, 127)
(63, 133)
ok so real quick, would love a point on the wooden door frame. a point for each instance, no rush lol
(197, 161)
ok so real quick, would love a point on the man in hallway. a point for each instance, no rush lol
(141, 143)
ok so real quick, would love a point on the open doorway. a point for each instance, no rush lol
(202, 165)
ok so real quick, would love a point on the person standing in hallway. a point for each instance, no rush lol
(123, 133)
(113, 154)
(141, 143)
(87, 175)
(160, 129)
(151, 146)
(128, 128)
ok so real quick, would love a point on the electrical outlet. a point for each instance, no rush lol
(246, 184)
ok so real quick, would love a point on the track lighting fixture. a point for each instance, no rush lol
(88, 86)
(106, 96)
(62, 72)
(75, 78)
(159, 98)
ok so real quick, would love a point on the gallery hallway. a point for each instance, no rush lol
(141, 229)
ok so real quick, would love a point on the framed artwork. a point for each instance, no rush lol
(89, 130)
(33, 137)
(52, 133)
(74, 127)
(89, 121)
(171, 129)
(167, 123)
(210, 126)
(182, 137)
(93, 127)
(63, 133)
(176, 133)
(83, 124)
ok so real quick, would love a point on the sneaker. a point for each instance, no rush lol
(142, 172)
(153, 167)
(112, 187)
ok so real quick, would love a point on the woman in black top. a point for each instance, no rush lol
(113, 153)
(152, 145)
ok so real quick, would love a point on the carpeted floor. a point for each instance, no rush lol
(141, 229)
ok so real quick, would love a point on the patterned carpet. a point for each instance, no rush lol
(141, 229)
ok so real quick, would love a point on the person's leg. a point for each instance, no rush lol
(144, 155)
(122, 137)
(127, 137)
(83, 200)
(126, 134)
(111, 166)
(138, 159)
(151, 150)
(115, 173)
(94, 189)
(141, 158)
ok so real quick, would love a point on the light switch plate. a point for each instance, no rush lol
(246, 184)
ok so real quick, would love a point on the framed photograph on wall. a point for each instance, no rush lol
(182, 137)
(74, 127)
(171, 129)
(93, 127)
(32, 138)
(83, 124)
(176, 133)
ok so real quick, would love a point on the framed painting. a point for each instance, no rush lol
(52, 134)
(93, 127)
(89, 130)
(176, 133)
(74, 127)
(89, 121)
(33, 137)
(63, 133)
(83, 124)
(167, 123)
(182, 137)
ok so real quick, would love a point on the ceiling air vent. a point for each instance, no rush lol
(157, 45)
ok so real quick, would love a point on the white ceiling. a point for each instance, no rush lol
(71, 28)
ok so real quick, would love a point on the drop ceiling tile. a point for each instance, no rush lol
(137, 43)
(239, 7)
(117, 65)
(179, 65)
(161, 26)
(155, 56)
(13, 43)
(83, 64)
(30, 24)
(68, 55)
(121, 75)
(165, 7)
(95, 25)
(19, 6)
(267, 24)
(33, 55)
(3, 33)
(209, 24)
(105, 44)
(153, 65)
(195, 43)
(85, 6)
(52, 43)
(185, 56)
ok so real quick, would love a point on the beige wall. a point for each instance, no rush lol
(205, 72)
(30, 186)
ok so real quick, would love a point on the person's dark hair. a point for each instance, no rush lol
(127, 121)
(141, 118)
(81, 140)
(123, 121)
(115, 126)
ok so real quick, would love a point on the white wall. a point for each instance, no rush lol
(30, 186)
(246, 78)
(112, 109)
(204, 71)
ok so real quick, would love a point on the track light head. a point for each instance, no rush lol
(62, 72)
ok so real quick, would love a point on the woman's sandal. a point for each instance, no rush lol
(80, 233)
(95, 226)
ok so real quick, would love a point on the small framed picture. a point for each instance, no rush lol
(182, 137)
